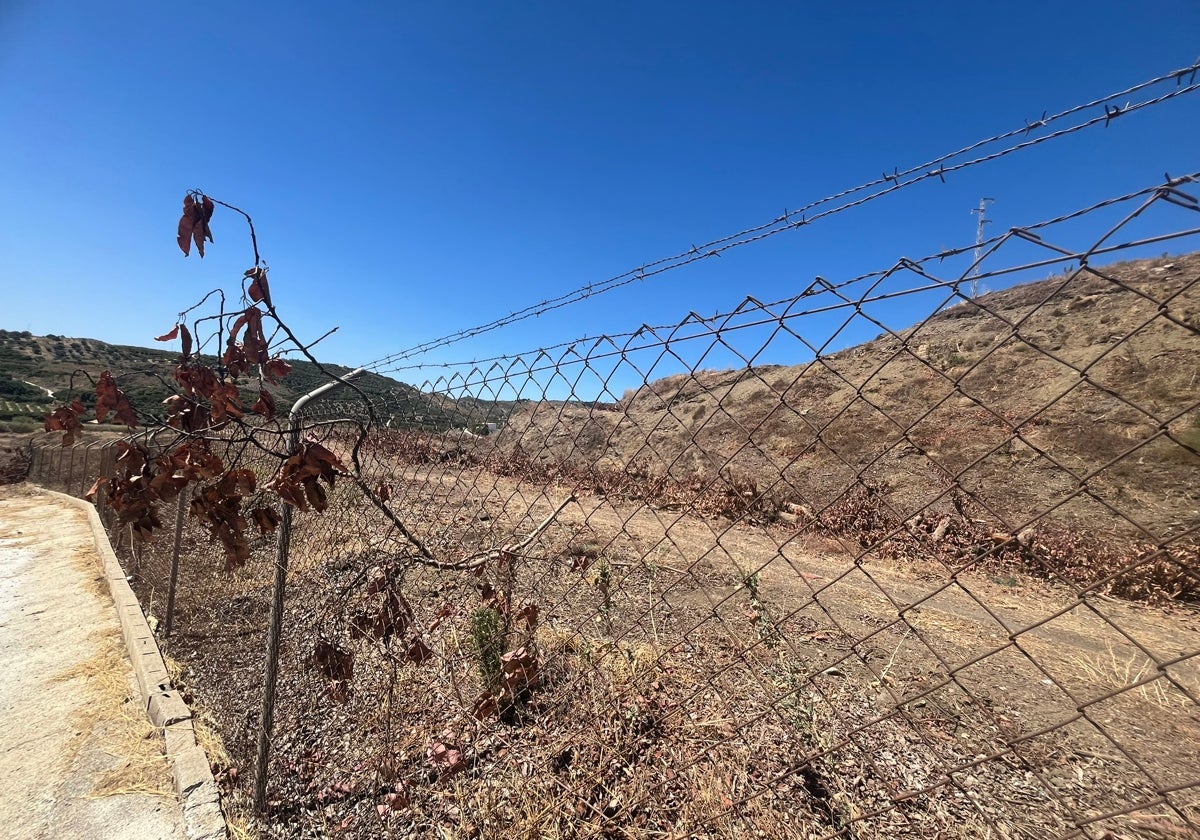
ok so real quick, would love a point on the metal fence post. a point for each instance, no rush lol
(179, 509)
(83, 472)
(70, 471)
(102, 495)
(275, 630)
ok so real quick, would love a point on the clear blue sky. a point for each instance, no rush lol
(414, 169)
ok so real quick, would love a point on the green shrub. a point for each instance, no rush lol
(487, 632)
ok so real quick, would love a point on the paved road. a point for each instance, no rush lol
(67, 733)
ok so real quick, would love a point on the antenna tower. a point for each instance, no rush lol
(982, 211)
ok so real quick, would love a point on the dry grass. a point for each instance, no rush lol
(1112, 671)
(240, 818)
(115, 718)
(236, 805)
(115, 715)
(746, 734)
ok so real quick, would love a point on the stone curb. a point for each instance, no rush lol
(198, 794)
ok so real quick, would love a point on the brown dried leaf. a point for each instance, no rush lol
(96, 487)
(242, 481)
(320, 461)
(237, 551)
(296, 480)
(447, 760)
(255, 341)
(224, 403)
(106, 395)
(390, 619)
(235, 360)
(187, 223)
(379, 579)
(291, 492)
(111, 398)
(180, 412)
(333, 662)
(144, 527)
(316, 495)
(493, 598)
(443, 612)
(486, 705)
(265, 405)
(276, 368)
(197, 381)
(218, 508)
(336, 666)
(200, 229)
(529, 613)
(168, 481)
(519, 669)
(266, 519)
(418, 652)
(187, 342)
(259, 289)
(236, 328)
(395, 801)
(66, 420)
(198, 460)
(187, 339)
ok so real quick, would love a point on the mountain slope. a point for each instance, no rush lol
(1019, 400)
(36, 371)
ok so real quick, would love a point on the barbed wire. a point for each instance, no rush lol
(819, 286)
(936, 168)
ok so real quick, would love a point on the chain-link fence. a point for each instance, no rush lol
(790, 571)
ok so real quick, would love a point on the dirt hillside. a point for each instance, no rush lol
(1094, 378)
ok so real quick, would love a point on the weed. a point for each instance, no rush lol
(760, 615)
(602, 580)
(487, 632)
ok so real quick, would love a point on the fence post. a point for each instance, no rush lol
(179, 509)
(70, 472)
(102, 495)
(275, 630)
(83, 471)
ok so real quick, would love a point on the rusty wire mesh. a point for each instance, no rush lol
(653, 585)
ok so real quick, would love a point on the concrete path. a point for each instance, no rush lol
(78, 758)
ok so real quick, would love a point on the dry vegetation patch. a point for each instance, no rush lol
(938, 585)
